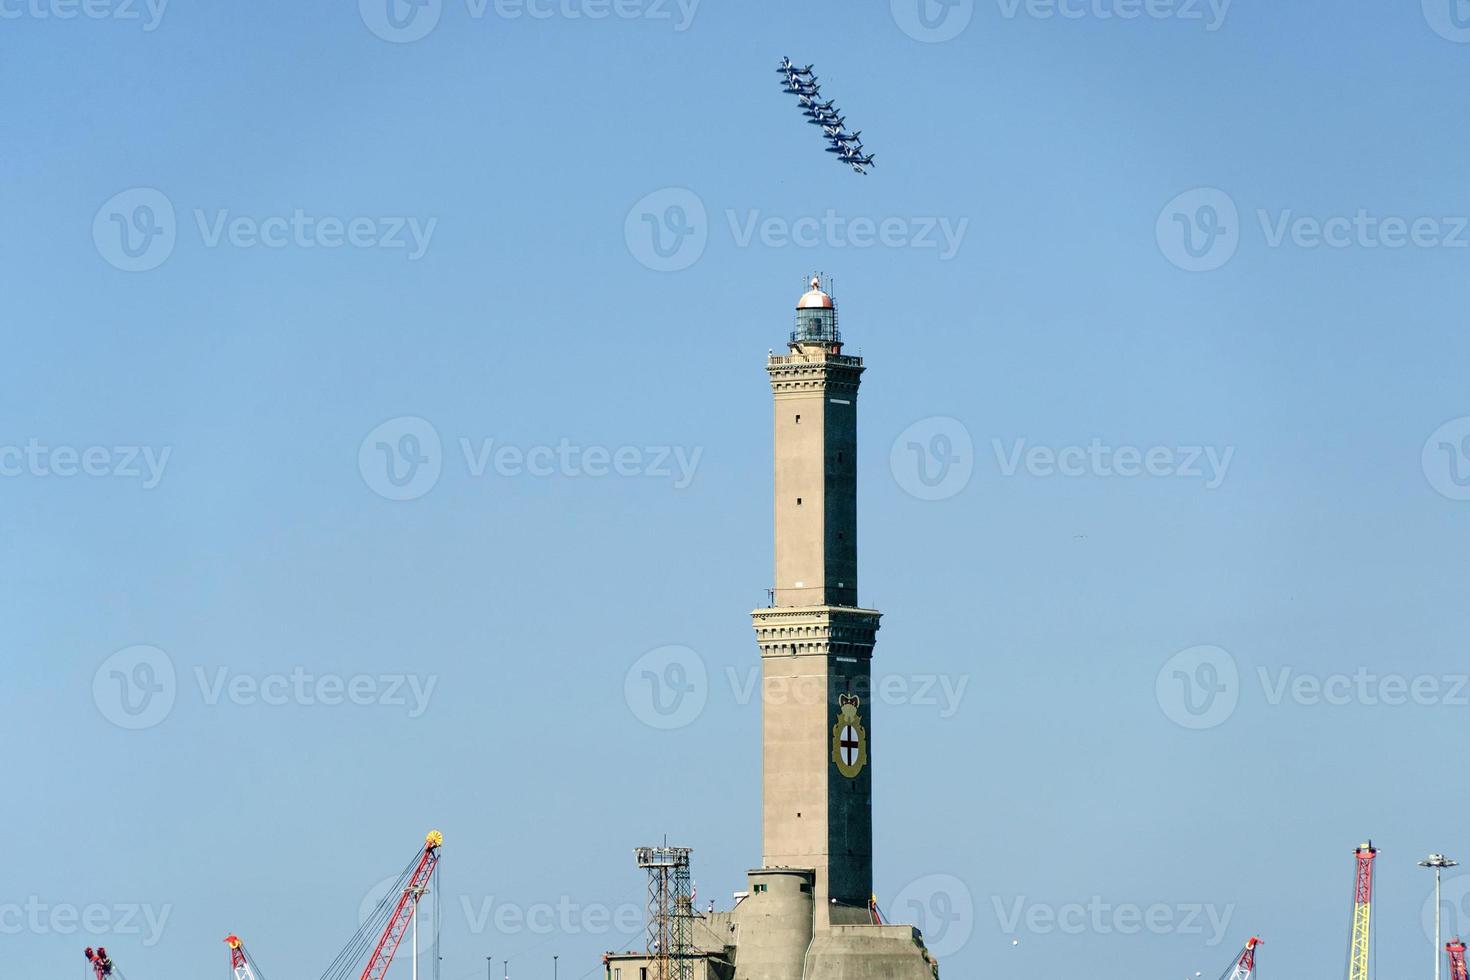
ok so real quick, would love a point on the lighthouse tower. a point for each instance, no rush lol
(805, 913)
(816, 641)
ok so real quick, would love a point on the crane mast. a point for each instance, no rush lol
(1362, 911)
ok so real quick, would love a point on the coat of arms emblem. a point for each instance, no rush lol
(849, 741)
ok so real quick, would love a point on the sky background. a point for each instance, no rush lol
(1134, 725)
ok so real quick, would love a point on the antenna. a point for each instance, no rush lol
(670, 911)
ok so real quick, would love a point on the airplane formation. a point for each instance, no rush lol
(802, 83)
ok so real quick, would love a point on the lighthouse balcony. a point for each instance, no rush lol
(808, 355)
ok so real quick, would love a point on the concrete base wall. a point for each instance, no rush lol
(773, 924)
(868, 952)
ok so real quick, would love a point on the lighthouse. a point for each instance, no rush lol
(815, 640)
(806, 912)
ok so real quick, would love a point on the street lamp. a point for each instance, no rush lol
(418, 894)
(554, 958)
(1438, 862)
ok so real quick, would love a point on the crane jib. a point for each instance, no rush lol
(402, 915)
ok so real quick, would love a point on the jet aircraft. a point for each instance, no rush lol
(802, 83)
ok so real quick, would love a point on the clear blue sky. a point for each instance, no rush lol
(1062, 778)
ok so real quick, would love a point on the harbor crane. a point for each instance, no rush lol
(1243, 967)
(102, 966)
(390, 919)
(1358, 958)
(240, 963)
(1455, 949)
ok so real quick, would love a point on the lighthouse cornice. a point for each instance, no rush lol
(794, 631)
(812, 372)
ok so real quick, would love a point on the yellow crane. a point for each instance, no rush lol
(1358, 960)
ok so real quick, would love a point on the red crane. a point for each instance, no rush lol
(1456, 950)
(392, 915)
(408, 899)
(101, 963)
(1244, 966)
(239, 962)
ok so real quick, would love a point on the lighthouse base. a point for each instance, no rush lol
(870, 952)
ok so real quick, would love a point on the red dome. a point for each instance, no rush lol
(814, 298)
